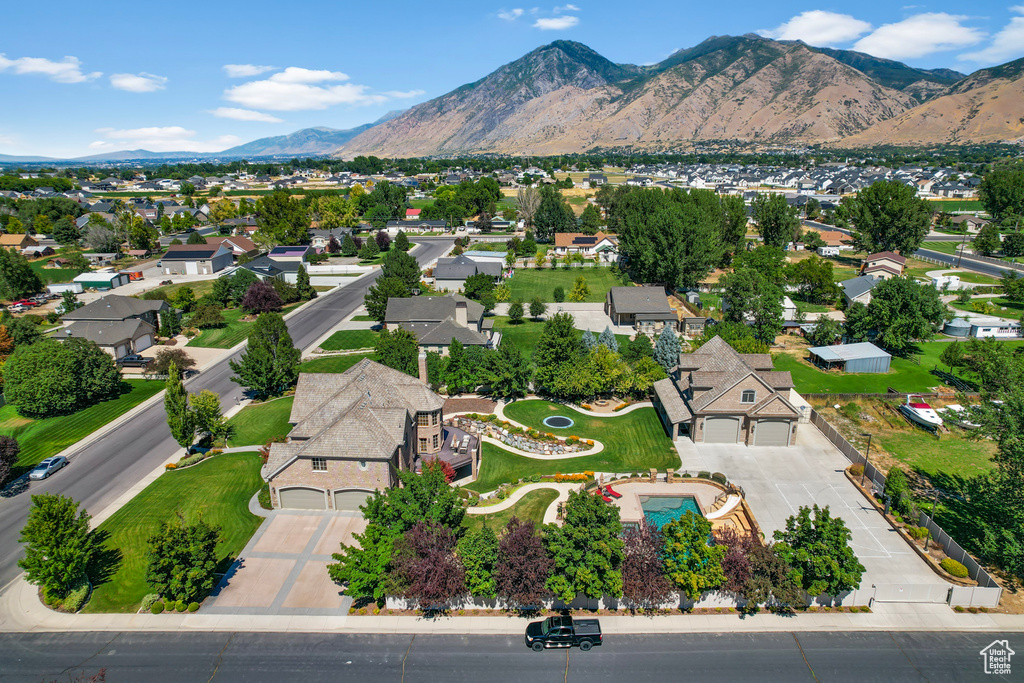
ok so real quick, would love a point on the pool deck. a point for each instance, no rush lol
(629, 505)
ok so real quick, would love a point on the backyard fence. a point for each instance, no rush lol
(987, 593)
(887, 396)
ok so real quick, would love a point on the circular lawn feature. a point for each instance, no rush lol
(558, 422)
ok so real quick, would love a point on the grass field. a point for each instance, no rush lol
(806, 307)
(234, 332)
(526, 334)
(344, 340)
(51, 275)
(1005, 307)
(200, 288)
(531, 507)
(902, 375)
(632, 442)
(333, 363)
(528, 283)
(943, 247)
(257, 424)
(218, 490)
(952, 454)
(39, 439)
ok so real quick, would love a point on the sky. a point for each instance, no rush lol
(207, 76)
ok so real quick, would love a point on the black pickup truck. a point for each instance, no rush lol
(563, 632)
(134, 361)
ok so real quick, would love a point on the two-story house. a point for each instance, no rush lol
(437, 320)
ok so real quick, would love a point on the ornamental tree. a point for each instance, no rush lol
(692, 562)
(271, 362)
(398, 349)
(58, 544)
(507, 372)
(376, 300)
(580, 289)
(261, 297)
(424, 567)
(818, 552)
(180, 417)
(241, 281)
(459, 375)
(401, 241)
(515, 312)
(667, 349)
(182, 559)
(586, 549)
(644, 584)
(478, 551)
(383, 240)
(49, 378)
(305, 290)
(608, 340)
(398, 263)
(736, 561)
(523, 567)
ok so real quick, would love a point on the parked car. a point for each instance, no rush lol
(48, 467)
(17, 308)
(26, 303)
(134, 360)
(563, 632)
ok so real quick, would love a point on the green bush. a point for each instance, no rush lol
(76, 596)
(157, 608)
(149, 601)
(851, 411)
(954, 568)
(857, 470)
(703, 475)
(719, 477)
(917, 532)
(193, 607)
(263, 498)
(192, 459)
(959, 609)
(180, 606)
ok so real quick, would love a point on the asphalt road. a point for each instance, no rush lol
(100, 473)
(763, 657)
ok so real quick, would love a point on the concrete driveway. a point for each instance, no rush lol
(777, 481)
(283, 568)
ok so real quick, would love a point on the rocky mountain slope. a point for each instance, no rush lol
(308, 141)
(985, 107)
(564, 98)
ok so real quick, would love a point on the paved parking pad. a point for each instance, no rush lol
(283, 568)
(777, 481)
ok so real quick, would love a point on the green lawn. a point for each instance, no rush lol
(255, 425)
(951, 454)
(526, 334)
(528, 283)
(1010, 309)
(333, 363)
(344, 340)
(363, 318)
(234, 332)
(40, 439)
(945, 247)
(218, 490)
(902, 375)
(51, 275)
(200, 289)
(633, 442)
(806, 307)
(531, 507)
(951, 205)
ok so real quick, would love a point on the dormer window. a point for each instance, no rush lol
(748, 396)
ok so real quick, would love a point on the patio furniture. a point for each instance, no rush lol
(600, 493)
(614, 494)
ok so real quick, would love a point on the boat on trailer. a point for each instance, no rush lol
(916, 410)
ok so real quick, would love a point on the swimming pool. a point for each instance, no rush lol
(660, 510)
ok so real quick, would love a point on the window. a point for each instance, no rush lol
(422, 419)
(433, 419)
(435, 440)
(748, 396)
(423, 445)
(319, 464)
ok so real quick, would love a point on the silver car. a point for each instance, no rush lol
(48, 467)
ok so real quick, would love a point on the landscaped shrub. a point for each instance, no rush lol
(571, 477)
(193, 459)
(76, 596)
(703, 474)
(719, 477)
(619, 407)
(954, 568)
(181, 606)
(959, 609)
(193, 607)
(157, 608)
(917, 532)
(857, 470)
(263, 498)
(149, 601)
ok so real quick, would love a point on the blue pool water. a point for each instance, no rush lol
(660, 510)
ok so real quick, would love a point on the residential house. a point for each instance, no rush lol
(437, 320)
(320, 237)
(120, 325)
(17, 242)
(859, 289)
(239, 246)
(883, 265)
(195, 259)
(969, 223)
(297, 254)
(450, 274)
(352, 433)
(645, 308)
(694, 326)
(720, 396)
(418, 225)
(601, 246)
(100, 258)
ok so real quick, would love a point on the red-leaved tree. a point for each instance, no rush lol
(424, 568)
(446, 468)
(333, 247)
(736, 563)
(523, 567)
(261, 297)
(9, 450)
(644, 584)
(383, 240)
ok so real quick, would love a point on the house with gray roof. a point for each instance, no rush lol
(119, 325)
(437, 320)
(645, 308)
(717, 395)
(859, 289)
(196, 259)
(351, 435)
(450, 274)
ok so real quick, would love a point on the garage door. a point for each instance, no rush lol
(350, 500)
(721, 429)
(191, 268)
(771, 433)
(303, 499)
(143, 342)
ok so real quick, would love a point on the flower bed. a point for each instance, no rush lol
(528, 440)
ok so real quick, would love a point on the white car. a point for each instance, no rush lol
(48, 467)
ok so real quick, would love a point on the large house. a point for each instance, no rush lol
(239, 246)
(883, 265)
(720, 396)
(645, 308)
(196, 259)
(437, 320)
(602, 246)
(119, 325)
(353, 432)
(17, 241)
(858, 289)
(450, 274)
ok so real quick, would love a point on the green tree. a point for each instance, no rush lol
(553, 214)
(692, 561)
(187, 189)
(1013, 285)
(66, 232)
(507, 372)
(271, 361)
(734, 224)
(17, 279)
(69, 301)
(478, 551)
(182, 559)
(889, 216)
(558, 346)
(537, 308)
(826, 332)
(170, 324)
(814, 280)
(401, 241)
(207, 315)
(207, 415)
(737, 335)
(817, 549)
(369, 250)
(812, 209)
(903, 310)
(478, 285)
(348, 245)
(580, 289)
(58, 544)
(458, 375)
(50, 378)
(857, 327)
(769, 261)
(399, 264)
(777, 221)
(280, 220)
(376, 300)
(221, 292)
(1013, 244)
(1002, 191)
(590, 220)
(748, 293)
(306, 290)
(180, 418)
(988, 240)
(952, 356)
(639, 347)
(241, 281)
(558, 295)
(398, 349)
(587, 549)
(515, 312)
(195, 238)
(667, 349)
(185, 299)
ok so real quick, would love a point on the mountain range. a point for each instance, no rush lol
(566, 98)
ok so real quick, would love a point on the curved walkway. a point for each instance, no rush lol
(550, 515)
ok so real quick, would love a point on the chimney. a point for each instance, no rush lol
(423, 368)
(461, 314)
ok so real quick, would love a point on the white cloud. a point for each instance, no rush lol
(141, 82)
(404, 94)
(68, 70)
(244, 115)
(566, 8)
(6, 140)
(294, 89)
(556, 23)
(919, 36)
(160, 139)
(510, 15)
(246, 70)
(1008, 44)
(817, 27)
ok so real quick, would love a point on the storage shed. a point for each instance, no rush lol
(957, 327)
(862, 357)
(102, 279)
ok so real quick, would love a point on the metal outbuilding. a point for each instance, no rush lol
(862, 357)
(957, 327)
